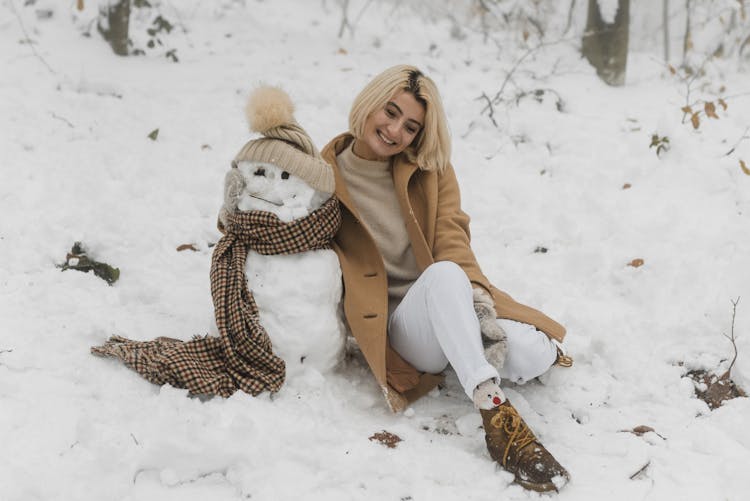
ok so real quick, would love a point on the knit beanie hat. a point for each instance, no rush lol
(285, 144)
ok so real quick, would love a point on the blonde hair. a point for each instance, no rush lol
(431, 149)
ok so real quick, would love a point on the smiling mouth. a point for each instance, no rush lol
(385, 139)
(268, 201)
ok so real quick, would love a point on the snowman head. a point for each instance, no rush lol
(283, 172)
(270, 188)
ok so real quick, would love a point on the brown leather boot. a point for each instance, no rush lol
(512, 444)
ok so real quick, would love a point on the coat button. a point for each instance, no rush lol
(370, 315)
(370, 275)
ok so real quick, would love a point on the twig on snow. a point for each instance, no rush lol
(641, 471)
(742, 138)
(63, 119)
(489, 107)
(199, 476)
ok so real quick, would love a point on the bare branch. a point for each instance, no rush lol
(345, 23)
(63, 119)
(743, 94)
(497, 98)
(732, 337)
(536, 24)
(27, 39)
(742, 138)
(499, 93)
(686, 41)
(641, 471)
(689, 81)
(530, 51)
(344, 18)
(569, 22)
(361, 12)
(488, 107)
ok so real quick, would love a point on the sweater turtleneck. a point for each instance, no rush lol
(370, 184)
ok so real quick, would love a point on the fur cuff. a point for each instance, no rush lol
(491, 330)
(481, 296)
(495, 354)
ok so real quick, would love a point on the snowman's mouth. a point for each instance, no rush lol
(277, 204)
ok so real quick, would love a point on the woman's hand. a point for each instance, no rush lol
(484, 307)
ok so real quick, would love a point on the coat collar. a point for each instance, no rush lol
(403, 169)
(402, 172)
(329, 154)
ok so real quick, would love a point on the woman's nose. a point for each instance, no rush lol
(394, 128)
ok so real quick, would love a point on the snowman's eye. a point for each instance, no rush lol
(260, 172)
(285, 175)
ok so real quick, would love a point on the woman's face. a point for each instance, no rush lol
(390, 130)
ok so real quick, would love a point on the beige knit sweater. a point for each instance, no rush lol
(370, 184)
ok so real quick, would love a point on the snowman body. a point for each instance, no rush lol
(298, 295)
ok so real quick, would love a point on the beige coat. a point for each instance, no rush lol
(439, 231)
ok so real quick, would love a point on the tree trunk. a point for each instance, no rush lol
(606, 45)
(569, 22)
(687, 42)
(114, 18)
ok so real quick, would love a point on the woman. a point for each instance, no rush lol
(414, 293)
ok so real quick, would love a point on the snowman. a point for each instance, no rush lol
(298, 295)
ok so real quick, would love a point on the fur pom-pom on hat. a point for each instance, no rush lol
(270, 112)
(267, 108)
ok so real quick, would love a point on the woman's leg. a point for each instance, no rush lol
(435, 324)
(530, 352)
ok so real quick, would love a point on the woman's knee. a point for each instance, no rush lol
(447, 275)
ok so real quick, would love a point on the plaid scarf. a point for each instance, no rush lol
(241, 358)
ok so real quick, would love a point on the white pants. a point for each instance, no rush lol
(435, 324)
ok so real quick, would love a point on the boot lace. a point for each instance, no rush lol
(519, 433)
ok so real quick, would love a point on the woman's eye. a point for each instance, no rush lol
(390, 112)
(260, 172)
(285, 175)
(411, 130)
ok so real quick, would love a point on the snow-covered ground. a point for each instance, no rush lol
(76, 164)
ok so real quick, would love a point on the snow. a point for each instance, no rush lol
(76, 164)
(608, 10)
